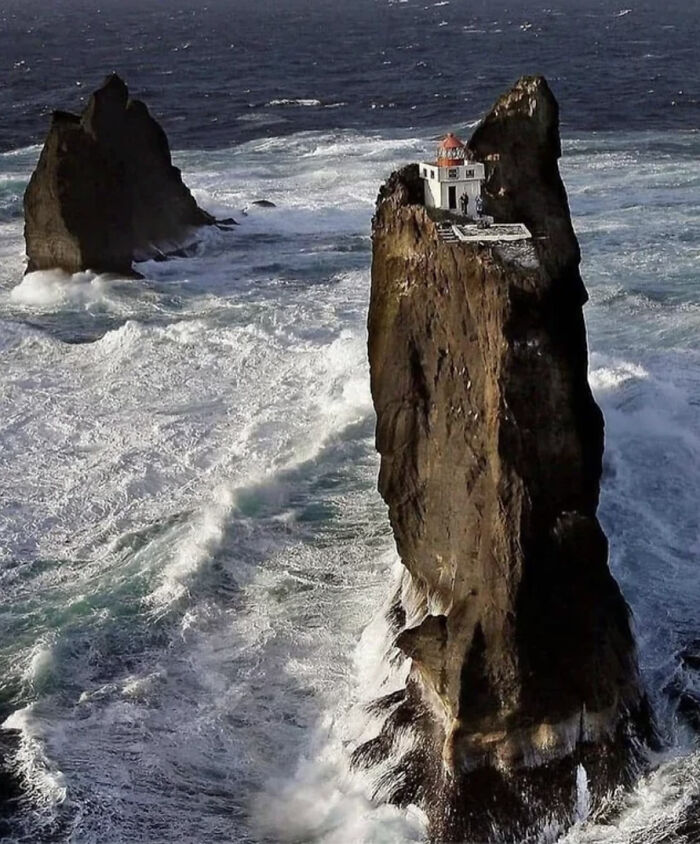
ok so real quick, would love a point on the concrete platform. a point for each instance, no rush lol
(496, 233)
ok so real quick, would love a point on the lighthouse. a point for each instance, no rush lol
(453, 181)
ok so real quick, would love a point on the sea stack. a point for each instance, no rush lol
(105, 192)
(523, 694)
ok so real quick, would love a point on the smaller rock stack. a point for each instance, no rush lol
(105, 192)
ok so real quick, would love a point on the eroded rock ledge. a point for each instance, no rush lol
(523, 663)
(105, 192)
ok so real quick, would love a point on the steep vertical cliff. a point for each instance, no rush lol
(523, 664)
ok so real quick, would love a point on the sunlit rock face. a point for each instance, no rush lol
(105, 192)
(523, 665)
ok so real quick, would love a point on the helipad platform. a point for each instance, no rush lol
(495, 233)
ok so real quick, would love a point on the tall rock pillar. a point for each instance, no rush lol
(523, 666)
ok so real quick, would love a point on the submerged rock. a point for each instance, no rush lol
(523, 665)
(105, 192)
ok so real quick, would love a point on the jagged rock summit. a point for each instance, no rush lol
(523, 698)
(105, 192)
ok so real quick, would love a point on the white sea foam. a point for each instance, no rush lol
(39, 668)
(615, 376)
(652, 812)
(583, 796)
(341, 400)
(325, 803)
(44, 782)
(324, 800)
(203, 539)
(300, 103)
(53, 288)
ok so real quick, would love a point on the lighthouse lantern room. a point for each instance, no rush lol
(453, 181)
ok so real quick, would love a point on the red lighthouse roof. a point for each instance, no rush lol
(451, 141)
(451, 152)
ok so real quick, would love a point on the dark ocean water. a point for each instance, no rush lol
(219, 71)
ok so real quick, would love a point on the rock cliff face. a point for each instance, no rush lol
(523, 664)
(105, 192)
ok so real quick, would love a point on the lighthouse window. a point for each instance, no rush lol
(432, 174)
(469, 173)
(452, 174)
(425, 171)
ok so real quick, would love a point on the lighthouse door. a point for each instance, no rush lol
(452, 197)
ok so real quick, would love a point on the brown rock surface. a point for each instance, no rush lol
(105, 192)
(523, 665)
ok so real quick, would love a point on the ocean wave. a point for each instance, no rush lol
(50, 289)
(337, 398)
(304, 103)
(297, 103)
(203, 538)
(614, 376)
(15, 334)
(32, 150)
(40, 667)
(655, 810)
(43, 781)
(261, 118)
(289, 808)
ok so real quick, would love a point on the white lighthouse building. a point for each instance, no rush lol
(452, 182)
